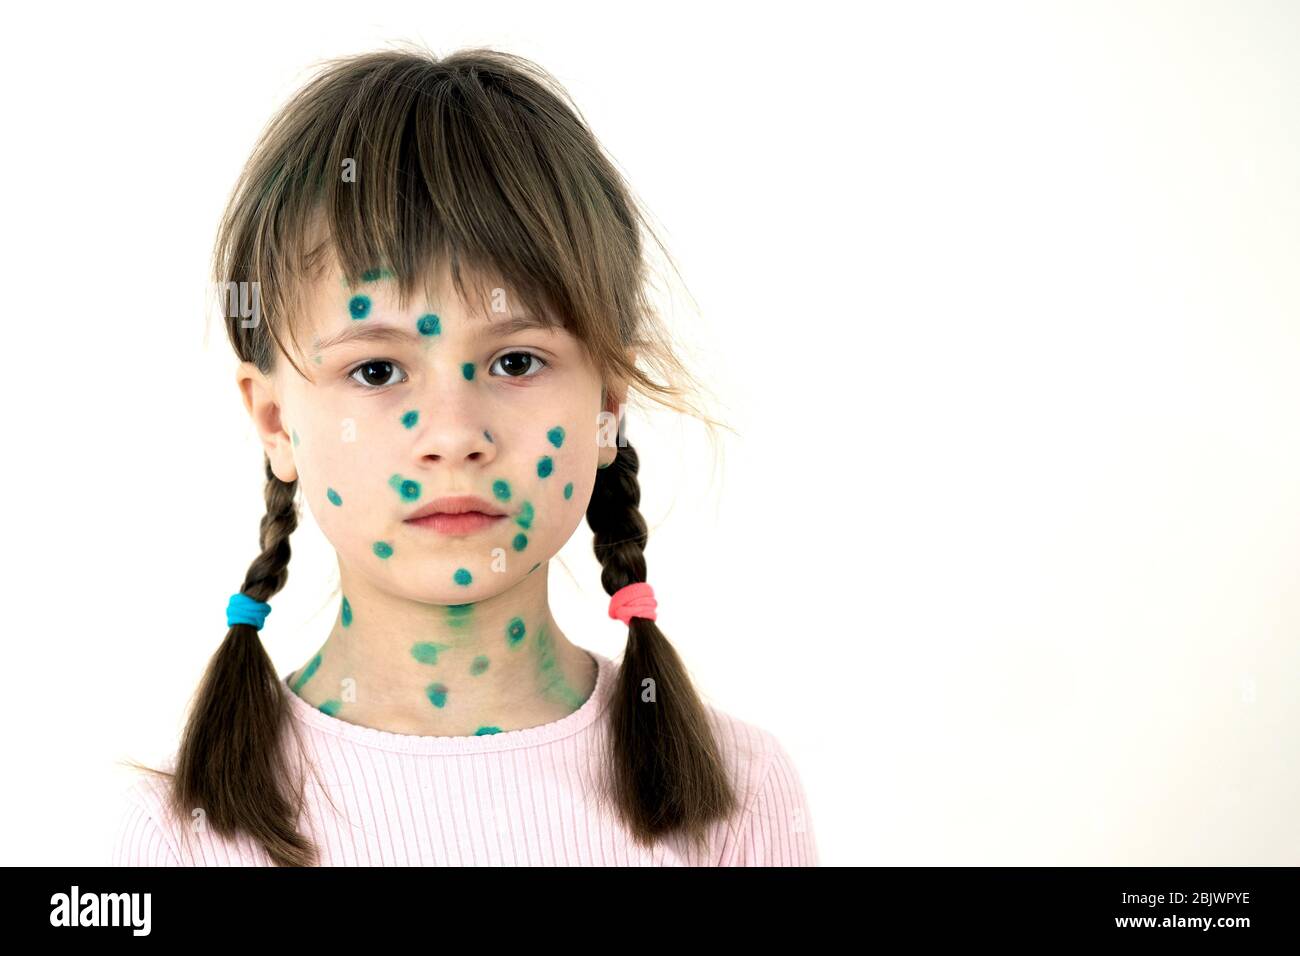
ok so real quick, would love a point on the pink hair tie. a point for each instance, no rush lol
(634, 600)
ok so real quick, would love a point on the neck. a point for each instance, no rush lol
(407, 667)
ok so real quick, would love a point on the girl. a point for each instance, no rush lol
(467, 267)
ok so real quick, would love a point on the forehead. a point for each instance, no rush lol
(332, 309)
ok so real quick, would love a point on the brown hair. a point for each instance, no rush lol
(479, 159)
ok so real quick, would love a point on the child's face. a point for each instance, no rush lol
(443, 404)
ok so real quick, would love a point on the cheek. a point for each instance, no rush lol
(554, 458)
(341, 486)
(552, 495)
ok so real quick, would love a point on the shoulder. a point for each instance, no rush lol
(145, 834)
(152, 833)
(747, 748)
(149, 832)
(774, 825)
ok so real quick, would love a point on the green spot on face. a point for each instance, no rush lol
(437, 694)
(333, 496)
(462, 577)
(429, 325)
(409, 490)
(521, 541)
(383, 549)
(556, 436)
(374, 275)
(488, 437)
(410, 418)
(295, 435)
(426, 652)
(525, 518)
(468, 371)
(544, 466)
(359, 306)
(568, 491)
(346, 613)
(501, 489)
(487, 730)
(306, 673)
(330, 707)
(515, 631)
(479, 665)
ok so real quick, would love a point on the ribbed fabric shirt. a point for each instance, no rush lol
(515, 798)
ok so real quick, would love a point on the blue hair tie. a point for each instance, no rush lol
(243, 609)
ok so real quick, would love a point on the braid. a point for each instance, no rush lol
(270, 569)
(667, 772)
(614, 515)
(231, 764)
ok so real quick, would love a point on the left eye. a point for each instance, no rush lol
(517, 364)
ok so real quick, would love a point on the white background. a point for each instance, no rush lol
(1001, 299)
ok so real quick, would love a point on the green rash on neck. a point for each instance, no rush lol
(426, 652)
(410, 418)
(544, 466)
(525, 518)
(330, 707)
(437, 694)
(346, 612)
(333, 496)
(568, 491)
(515, 631)
(501, 489)
(556, 436)
(549, 675)
(459, 615)
(383, 549)
(429, 325)
(478, 665)
(307, 673)
(359, 306)
(487, 730)
(409, 490)
(468, 371)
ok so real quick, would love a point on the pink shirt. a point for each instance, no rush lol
(515, 798)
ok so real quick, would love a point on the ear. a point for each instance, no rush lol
(613, 398)
(616, 394)
(263, 406)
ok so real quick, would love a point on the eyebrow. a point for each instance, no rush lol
(400, 334)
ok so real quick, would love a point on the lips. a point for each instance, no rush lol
(457, 505)
(458, 515)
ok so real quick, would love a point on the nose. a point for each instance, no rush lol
(453, 428)
(453, 442)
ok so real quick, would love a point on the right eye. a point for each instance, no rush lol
(374, 374)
